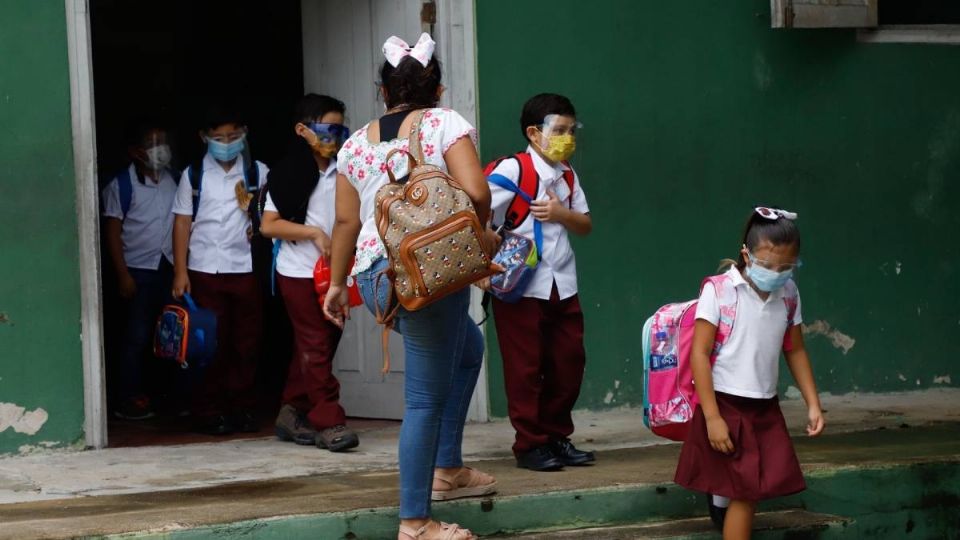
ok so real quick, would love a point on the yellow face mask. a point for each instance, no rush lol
(559, 147)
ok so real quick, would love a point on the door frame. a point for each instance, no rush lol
(83, 121)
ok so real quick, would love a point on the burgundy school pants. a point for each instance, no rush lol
(228, 385)
(311, 386)
(541, 342)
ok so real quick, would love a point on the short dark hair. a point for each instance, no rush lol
(540, 106)
(136, 130)
(410, 83)
(220, 114)
(314, 106)
(779, 232)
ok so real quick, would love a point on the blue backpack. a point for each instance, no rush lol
(186, 334)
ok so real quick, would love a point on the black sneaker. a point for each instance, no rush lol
(569, 454)
(292, 425)
(135, 408)
(717, 513)
(245, 422)
(540, 459)
(337, 438)
(215, 425)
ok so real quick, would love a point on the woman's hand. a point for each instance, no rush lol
(491, 240)
(815, 422)
(336, 305)
(322, 241)
(719, 434)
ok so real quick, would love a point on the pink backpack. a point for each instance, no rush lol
(669, 398)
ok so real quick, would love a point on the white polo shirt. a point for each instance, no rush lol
(218, 237)
(298, 259)
(558, 263)
(748, 363)
(148, 226)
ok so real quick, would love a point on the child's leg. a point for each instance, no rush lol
(739, 520)
(246, 319)
(209, 292)
(518, 333)
(564, 362)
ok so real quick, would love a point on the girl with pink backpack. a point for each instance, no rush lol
(737, 447)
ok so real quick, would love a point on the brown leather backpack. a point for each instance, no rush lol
(431, 232)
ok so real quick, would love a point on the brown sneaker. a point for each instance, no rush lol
(292, 425)
(337, 438)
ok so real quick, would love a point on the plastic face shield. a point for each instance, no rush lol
(330, 137)
(559, 124)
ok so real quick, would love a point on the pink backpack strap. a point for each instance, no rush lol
(791, 298)
(726, 293)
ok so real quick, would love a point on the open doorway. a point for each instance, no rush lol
(173, 59)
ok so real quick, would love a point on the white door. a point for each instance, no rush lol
(342, 56)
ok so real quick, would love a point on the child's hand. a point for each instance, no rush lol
(181, 284)
(816, 421)
(719, 434)
(322, 241)
(336, 305)
(550, 210)
(128, 287)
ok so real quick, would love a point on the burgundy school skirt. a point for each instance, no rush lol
(763, 464)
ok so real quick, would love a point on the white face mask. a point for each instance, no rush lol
(159, 156)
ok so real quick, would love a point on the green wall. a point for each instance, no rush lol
(695, 111)
(40, 359)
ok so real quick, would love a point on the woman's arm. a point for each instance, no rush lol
(464, 165)
(346, 229)
(799, 363)
(704, 335)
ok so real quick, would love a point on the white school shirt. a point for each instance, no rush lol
(558, 264)
(148, 226)
(298, 259)
(218, 236)
(364, 165)
(748, 363)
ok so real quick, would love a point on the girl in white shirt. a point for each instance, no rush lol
(738, 448)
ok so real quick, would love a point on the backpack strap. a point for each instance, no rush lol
(505, 183)
(528, 183)
(195, 172)
(726, 293)
(125, 187)
(570, 179)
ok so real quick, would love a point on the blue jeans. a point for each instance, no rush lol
(443, 351)
(153, 291)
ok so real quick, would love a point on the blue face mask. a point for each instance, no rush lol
(765, 279)
(224, 152)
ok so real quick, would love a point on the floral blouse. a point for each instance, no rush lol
(364, 165)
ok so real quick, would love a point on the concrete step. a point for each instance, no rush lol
(795, 523)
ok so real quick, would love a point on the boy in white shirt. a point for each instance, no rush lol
(137, 229)
(299, 212)
(212, 253)
(541, 335)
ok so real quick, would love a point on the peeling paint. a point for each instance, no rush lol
(5, 319)
(21, 420)
(838, 339)
(608, 399)
(793, 393)
(898, 267)
(616, 384)
(942, 379)
(901, 377)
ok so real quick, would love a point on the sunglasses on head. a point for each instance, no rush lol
(774, 214)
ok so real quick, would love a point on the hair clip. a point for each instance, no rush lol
(774, 214)
(396, 49)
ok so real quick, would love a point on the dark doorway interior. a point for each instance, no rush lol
(173, 59)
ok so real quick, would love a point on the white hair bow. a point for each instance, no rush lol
(394, 49)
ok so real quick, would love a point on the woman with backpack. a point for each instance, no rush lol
(442, 345)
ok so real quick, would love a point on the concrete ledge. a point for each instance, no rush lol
(889, 476)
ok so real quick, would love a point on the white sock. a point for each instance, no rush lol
(721, 502)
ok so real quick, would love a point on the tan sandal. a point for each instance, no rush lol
(448, 531)
(466, 483)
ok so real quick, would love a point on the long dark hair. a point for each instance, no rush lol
(410, 83)
(779, 232)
